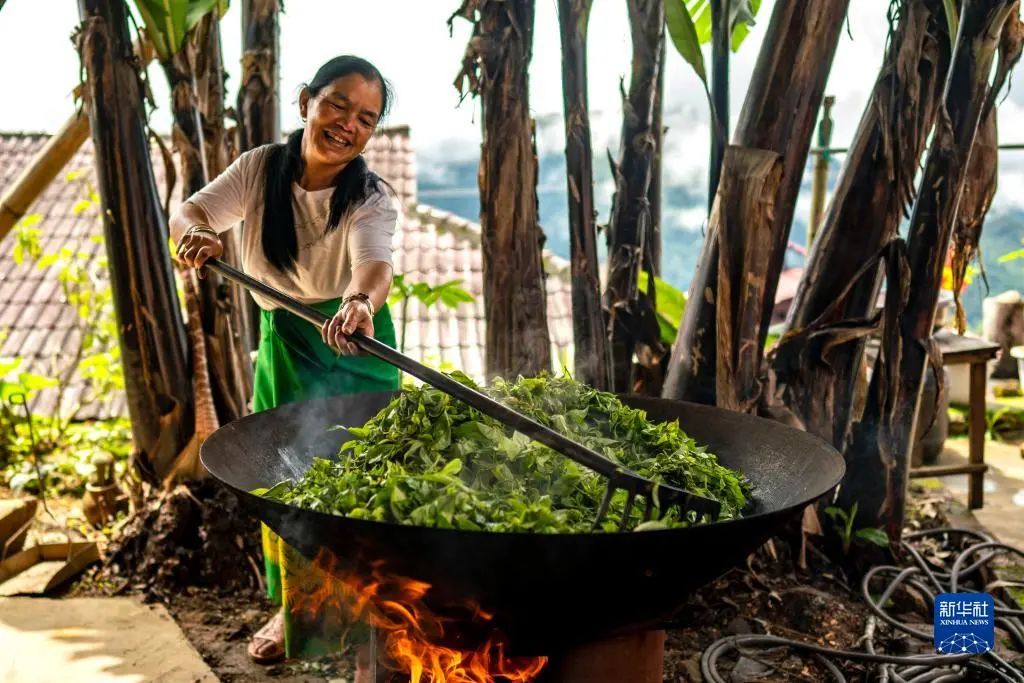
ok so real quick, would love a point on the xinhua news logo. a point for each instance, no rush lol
(964, 623)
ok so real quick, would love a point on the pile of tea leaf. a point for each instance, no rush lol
(430, 460)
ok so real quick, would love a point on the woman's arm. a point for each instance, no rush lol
(194, 226)
(372, 280)
(369, 246)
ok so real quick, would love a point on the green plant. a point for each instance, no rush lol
(169, 21)
(843, 521)
(689, 27)
(93, 359)
(449, 294)
(670, 305)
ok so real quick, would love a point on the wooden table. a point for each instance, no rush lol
(975, 352)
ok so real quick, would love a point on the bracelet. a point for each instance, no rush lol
(199, 227)
(359, 296)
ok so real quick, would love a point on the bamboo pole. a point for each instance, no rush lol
(819, 181)
(49, 160)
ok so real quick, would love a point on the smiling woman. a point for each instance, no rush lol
(318, 224)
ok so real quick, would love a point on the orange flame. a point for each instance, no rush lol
(406, 629)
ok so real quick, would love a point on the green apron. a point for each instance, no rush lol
(294, 364)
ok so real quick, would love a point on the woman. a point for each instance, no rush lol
(317, 225)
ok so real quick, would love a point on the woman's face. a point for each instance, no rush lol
(340, 119)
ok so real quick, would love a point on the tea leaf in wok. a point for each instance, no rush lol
(428, 459)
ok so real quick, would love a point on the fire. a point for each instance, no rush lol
(406, 629)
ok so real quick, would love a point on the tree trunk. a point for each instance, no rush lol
(495, 67)
(229, 392)
(876, 478)
(258, 107)
(257, 110)
(231, 363)
(778, 115)
(979, 190)
(153, 347)
(188, 467)
(980, 187)
(817, 376)
(742, 221)
(630, 315)
(592, 364)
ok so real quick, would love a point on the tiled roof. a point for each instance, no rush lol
(38, 324)
(436, 246)
(432, 246)
(391, 156)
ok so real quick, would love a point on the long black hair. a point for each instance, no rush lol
(284, 165)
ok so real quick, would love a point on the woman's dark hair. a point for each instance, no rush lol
(284, 165)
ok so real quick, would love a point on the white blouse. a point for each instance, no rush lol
(325, 261)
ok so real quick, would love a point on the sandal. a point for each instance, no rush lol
(267, 644)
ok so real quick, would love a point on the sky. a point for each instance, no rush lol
(409, 41)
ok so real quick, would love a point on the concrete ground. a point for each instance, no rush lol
(1003, 511)
(120, 640)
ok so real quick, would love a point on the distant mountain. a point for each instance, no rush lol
(683, 209)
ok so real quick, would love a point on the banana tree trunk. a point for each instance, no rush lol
(742, 221)
(778, 115)
(495, 68)
(980, 184)
(630, 317)
(592, 363)
(187, 136)
(232, 363)
(152, 336)
(258, 106)
(876, 477)
(187, 467)
(816, 363)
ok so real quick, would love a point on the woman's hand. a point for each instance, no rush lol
(197, 247)
(354, 316)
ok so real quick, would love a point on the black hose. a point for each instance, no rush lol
(928, 580)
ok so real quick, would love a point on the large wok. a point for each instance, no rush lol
(545, 591)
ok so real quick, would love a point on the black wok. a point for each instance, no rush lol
(545, 591)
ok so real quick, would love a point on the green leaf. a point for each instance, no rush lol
(876, 536)
(952, 19)
(34, 382)
(684, 36)
(8, 365)
(166, 24)
(670, 305)
(744, 13)
(836, 513)
(80, 206)
(700, 13)
(197, 9)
